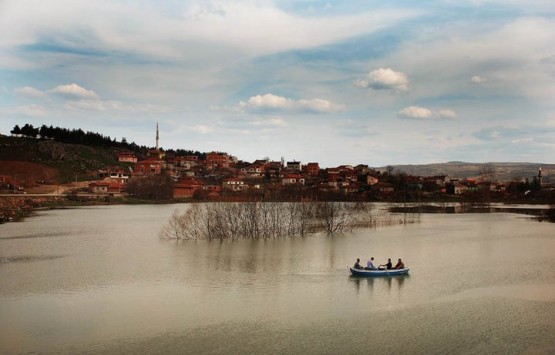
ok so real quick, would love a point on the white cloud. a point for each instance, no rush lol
(269, 101)
(168, 30)
(275, 102)
(425, 113)
(415, 112)
(513, 67)
(262, 27)
(446, 113)
(113, 105)
(477, 80)
(73, 91)
(319, 105)
(384, 79)
(272, 122)
(30, 92)
(526, 140)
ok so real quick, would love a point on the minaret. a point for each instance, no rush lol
(540, 177)
(157, 137)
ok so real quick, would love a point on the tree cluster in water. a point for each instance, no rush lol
(264, 220)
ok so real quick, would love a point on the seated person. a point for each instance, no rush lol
(387, 266)
(357, 265)
(399, 265)
(370, 264)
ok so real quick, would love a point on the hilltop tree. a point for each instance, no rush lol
(16, 130)
(29, 131)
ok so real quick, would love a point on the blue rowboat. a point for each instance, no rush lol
(391, 272)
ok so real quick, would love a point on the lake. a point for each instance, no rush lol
(99, 280)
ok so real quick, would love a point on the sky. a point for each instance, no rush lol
(333, 82)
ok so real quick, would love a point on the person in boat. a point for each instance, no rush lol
(387, 266)
(399, 265)
(357, 265)
(370, 264)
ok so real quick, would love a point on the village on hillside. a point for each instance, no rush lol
(220, 176)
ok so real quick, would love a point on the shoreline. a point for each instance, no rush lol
(17, 208)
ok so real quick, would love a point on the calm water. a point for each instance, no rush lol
(100, 280)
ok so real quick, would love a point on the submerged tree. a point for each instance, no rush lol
(265, 220)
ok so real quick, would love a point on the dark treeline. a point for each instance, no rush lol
(75, 136)
(78, 136)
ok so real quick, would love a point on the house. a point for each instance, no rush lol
(292, 179)
(349, 188)
(234, 184)
(362, 169)
(371, 180)
(272, 169)
(294, 165)
(255, 170)
(333, 171)
(345, 168)
(150, 166)
(186, 188)
(186, 162)
(385, 188)
(127, 158)
(212, 191)
(459, 188)
(119, 176)
(312, 169)
(106, 187)
(498, 187)
(218, 160)
(439, 180)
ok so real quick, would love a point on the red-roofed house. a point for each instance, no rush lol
(150, 166)
(312, 169)
(220, 160)
(127, 157)
(371, 180)
(256, 170)
(186, 188)
(292, 179)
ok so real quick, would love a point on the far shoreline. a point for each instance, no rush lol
(18, 207)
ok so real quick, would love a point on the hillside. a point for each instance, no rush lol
(35, 159)
(29, 159)
(501, 171)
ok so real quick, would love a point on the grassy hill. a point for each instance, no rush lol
(500, 171)
(36, 159)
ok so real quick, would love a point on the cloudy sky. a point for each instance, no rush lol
(337, 82)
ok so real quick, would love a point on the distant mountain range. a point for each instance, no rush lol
(499, 171)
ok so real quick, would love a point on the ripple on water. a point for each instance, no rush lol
(539, 293)
(27, 258)
(33, 236)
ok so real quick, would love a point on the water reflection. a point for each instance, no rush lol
(388, 283)
(114, 287)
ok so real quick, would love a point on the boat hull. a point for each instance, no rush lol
(374, 273)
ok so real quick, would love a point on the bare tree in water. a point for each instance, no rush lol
(264, 220)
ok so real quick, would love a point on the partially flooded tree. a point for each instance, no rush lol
(265, 220)
(333, 216)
